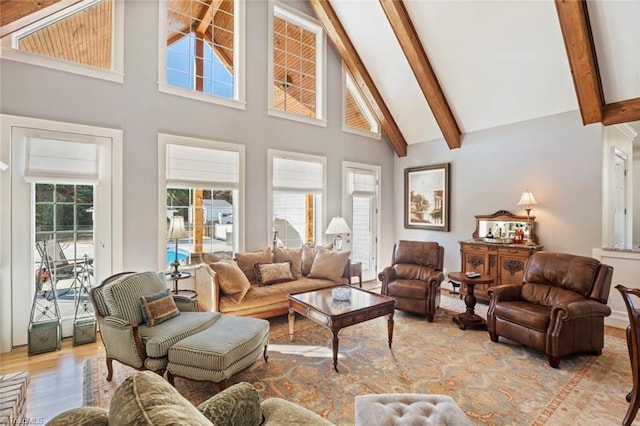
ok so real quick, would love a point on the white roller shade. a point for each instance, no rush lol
(190, 164)
(289, 174)
(61, 159)
(362, 182)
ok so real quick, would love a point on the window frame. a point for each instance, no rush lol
(239, 57)
(165, 139)
(276, 8)
(349, 85)
(321, 224)
(9, 50)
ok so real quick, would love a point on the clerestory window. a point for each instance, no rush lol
(357, 114)
(85, 37)
(202, 50)
(297, 66)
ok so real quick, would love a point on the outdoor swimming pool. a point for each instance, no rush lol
(171, 255)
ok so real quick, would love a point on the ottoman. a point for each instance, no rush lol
(13, 397)
(215, 354)
(408, 409)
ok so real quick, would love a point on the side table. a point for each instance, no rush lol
(469, 318)
(175, 278)
(355, 270)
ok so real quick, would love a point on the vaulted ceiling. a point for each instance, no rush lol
(440, 69)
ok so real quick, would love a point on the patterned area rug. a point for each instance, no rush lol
(495, 384)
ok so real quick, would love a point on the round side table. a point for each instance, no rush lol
(175, 278)
(469, 318)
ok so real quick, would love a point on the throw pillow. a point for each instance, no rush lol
(308, 254)
(273, 273)
(237, 405)
(246, 261)
(292, 255)
(329, 264)
(158, 307)
(233, 282)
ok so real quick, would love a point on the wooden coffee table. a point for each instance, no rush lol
(320, 307)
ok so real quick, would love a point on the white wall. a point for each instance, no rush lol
(555, 157)
(141, 112)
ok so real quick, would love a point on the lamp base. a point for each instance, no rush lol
(337, 243)
(175, 272)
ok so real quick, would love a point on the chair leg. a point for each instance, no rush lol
(633, 408)
(264, 354)
(430, 317)
(554, 361)
(494, 337)
(109, 369)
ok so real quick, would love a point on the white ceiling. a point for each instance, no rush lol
(498, 62)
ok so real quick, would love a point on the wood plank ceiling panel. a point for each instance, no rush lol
(332, 25)
(421, 67)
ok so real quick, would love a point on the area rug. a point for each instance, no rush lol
(494, 383)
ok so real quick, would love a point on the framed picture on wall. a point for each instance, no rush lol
(426, 197)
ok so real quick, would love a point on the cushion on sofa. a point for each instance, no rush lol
(146, 398)
(159, 339)
(158, 307)
(329, 264)
(272, 273)
(94, 416)
(246, 261)
(237, 405)
(233, 281)
(292, 255)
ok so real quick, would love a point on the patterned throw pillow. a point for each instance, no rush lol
(158, 307)
(273, 273)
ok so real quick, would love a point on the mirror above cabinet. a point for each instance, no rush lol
(503, 227)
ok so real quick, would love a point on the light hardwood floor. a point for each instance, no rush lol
(56, 377)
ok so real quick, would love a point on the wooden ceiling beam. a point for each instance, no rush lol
(414, 51)
(17, 14)
(327, 16)
(207, 16)
(622, 112)
(578, 41)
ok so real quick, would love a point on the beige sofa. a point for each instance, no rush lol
(311, 268)
(146, 398)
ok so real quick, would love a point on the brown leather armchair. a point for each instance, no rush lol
(414, 277)
(559, 309)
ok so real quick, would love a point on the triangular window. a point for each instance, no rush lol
(81, 33)
(357, 113)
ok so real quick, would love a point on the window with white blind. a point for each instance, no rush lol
(360, 207)
(202, 50)
(357, 114)
(297, 187)
(203, 185)
(83, 37)
(297, 55)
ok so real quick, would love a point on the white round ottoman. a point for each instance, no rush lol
(408, 409)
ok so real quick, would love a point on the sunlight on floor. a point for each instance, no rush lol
(308, 351)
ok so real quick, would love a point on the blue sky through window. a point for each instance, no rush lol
(180, 68)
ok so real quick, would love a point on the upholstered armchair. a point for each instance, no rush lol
(414, 277)
(125, 333)
(558, 310)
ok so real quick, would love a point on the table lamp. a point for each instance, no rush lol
(528, 200)
(176, 231)
(336, 227)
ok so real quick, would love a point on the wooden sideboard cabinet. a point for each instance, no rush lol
(504, 262)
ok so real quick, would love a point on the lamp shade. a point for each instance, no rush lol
(527, 199)
(176, 228)
(338, 226)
